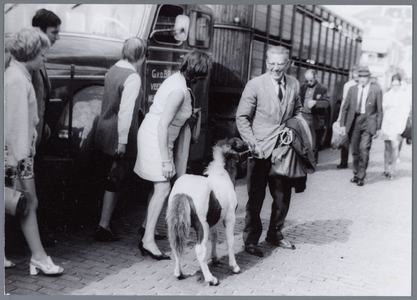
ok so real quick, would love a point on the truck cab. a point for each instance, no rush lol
(91, 41)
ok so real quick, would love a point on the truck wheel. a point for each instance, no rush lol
(86, 110)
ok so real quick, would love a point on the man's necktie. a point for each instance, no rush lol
(280, 95)
(359, 107)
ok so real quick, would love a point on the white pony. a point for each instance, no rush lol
(203, 202)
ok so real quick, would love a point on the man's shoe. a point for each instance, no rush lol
(286, 244)
(342, 166)
(354, 180)
(104, 235)
(272, 241)
(251, 249)
(360, 182)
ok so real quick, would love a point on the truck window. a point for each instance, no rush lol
(106, 20)
(199, 33)
(166, 20)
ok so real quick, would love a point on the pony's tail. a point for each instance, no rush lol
(179, 222)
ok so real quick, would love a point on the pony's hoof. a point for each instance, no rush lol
(180, 277)
(214, 282)
(236, 269)
(215, 261)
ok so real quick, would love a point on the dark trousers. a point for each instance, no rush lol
(318, 137)
(361, 141)
(280, 189)
(344, 151)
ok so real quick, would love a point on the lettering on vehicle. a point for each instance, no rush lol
(155, 86)
(162, 74)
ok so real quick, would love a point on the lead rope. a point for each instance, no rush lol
(285, 137)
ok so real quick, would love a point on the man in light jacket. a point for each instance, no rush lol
(267, 102)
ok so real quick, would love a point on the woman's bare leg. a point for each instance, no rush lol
(160, 194)
(29, 222)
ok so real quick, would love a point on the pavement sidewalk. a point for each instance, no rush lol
(351, 241)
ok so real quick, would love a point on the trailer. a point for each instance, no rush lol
(315, 37)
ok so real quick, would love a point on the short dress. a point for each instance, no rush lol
(24, 169)
(149, 161)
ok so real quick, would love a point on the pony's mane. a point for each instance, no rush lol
(218, 162)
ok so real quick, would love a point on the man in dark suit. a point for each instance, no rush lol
(50, 24)
(361, 120)
(267, 102)
(315, 101)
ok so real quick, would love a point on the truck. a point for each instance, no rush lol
(236, 36)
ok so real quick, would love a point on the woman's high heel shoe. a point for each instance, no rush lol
(144, 251)
(49, 268)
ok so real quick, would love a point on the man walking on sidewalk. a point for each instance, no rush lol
(267, 101)
(361, 120)
(344, 144)
(315, 101)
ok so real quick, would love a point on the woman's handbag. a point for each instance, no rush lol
(15, 200)
(120, 168)
(408, 127)
(195, 120)
(195, 131)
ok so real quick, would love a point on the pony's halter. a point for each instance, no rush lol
(244, 152)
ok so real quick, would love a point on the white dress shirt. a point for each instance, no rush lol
(364, 96)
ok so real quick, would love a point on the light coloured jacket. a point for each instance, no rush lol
(20, 113)
(260, 113)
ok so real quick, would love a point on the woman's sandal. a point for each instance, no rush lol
(8, 263)
(48, 269)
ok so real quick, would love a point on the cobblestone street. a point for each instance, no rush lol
(350, 241)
